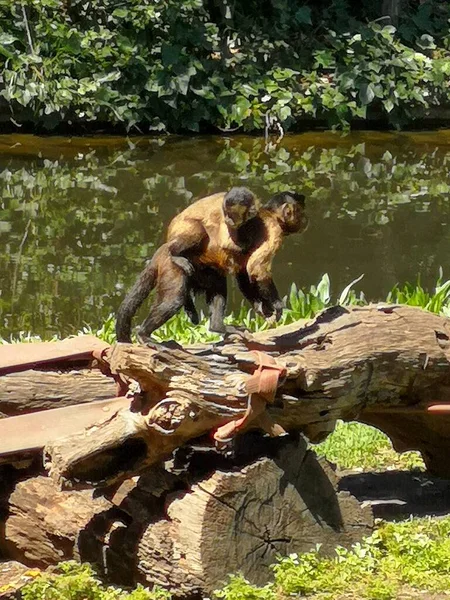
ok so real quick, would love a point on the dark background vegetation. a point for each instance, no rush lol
(209, 65)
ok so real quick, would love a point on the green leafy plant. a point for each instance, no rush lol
(72, 581)
(187, 65)
(357, 446)
(407, 558)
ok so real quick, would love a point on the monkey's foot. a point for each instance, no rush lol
(233, 334)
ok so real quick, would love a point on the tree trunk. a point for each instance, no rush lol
(348, 363)
(30, 391)
(187, 532)
(391, 9)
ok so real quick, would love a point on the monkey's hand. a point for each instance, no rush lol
(271, 313)
(277, 310)
(184, 264)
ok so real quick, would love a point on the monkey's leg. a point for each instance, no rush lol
(190, 310)
(216, 297)
(171, 295)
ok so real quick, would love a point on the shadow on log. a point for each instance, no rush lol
(187, 530)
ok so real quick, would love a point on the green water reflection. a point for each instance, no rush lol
(79, 216)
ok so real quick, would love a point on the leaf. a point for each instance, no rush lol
(170, 54)
(284, 113)
(426, 42)
(366, 93)
(390, 29)
(323, 288)
(388, 105)
(6, 39)
(182, 83)
(303, 15)
(121, 13)
(344, 294)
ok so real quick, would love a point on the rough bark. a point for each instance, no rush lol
(347, 363)
(30, 391)
(187, 532)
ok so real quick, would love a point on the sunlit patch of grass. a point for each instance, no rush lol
(72, 581)
(354, 445)
(398, 560)
(300, 304)
(437, 301)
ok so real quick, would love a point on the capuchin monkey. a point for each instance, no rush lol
(261, 238)
(201, 245)
(213, 237)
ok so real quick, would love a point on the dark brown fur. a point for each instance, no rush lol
(177, 271)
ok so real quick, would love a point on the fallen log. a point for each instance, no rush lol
(188, 529)
(33, 390)
(348, 363)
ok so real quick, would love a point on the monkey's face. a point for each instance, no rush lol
(237, 214)
(293, 215)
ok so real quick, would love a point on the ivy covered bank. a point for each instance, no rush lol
(211, 65)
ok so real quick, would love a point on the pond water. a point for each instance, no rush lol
(78, 216)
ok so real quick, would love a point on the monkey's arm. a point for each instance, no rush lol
(263, 295)
(256, 282)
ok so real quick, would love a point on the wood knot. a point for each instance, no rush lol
(167, 416)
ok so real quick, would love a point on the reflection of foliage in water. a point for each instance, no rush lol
(349, 182)
(76, 232)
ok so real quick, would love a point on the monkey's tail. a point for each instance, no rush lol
(134, 299)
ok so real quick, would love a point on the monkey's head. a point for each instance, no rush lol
(289, 208)
(239, 206)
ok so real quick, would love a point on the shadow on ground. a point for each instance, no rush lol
(398, 494)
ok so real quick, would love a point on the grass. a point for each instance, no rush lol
(358, 446)
(72, 581)
(399, 560)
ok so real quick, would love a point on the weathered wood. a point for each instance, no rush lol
(343, 364)
(43, 523)
(30, 391)
(188, 532)
(30, 432)
(19, 357)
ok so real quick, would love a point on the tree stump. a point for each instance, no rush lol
(187, 531)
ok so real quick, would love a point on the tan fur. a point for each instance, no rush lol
(259, 262)
(205, 218)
